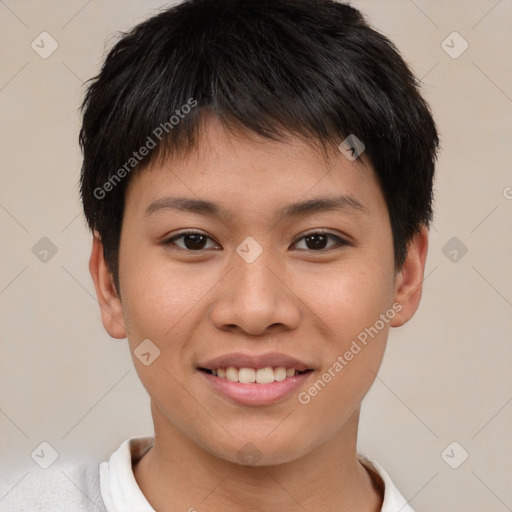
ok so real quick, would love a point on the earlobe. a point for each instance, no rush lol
(110, 304)
(409, 280)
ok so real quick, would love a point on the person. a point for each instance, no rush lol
(258, 180)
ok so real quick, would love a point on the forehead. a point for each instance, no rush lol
(229, 173)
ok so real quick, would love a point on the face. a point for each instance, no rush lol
(256, 283)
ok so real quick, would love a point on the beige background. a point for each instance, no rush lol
(446, 375)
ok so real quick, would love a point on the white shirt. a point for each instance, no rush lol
(121, 492)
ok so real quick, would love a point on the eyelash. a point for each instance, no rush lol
(340, 241)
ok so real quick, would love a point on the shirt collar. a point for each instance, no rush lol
(121, 493)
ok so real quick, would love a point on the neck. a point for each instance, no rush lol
(178, 474)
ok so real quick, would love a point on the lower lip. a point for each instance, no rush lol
(256, 394)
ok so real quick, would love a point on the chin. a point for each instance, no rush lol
(258, 451)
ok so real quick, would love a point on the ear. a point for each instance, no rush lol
(110, 304)
(409, 280)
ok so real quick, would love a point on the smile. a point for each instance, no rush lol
(255, 387)
(265, 375)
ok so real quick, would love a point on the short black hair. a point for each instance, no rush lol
(310, 68)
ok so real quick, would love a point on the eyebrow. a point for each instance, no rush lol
(301, 208)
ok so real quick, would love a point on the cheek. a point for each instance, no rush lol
(159, 299)
(154, 290)
(164, 302)
(349, 298)
(159, 306)
(350, 305)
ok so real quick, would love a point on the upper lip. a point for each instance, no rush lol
(241, 360)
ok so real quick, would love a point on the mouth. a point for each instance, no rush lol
(245, 375)
(255, 387)
(255, 379)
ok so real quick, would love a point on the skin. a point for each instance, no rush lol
(195, 305)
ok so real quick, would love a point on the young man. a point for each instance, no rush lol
(258, 178)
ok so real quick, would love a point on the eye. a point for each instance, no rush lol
(316, 240)
(195, 241)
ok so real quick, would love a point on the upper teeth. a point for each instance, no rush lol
(260, 375)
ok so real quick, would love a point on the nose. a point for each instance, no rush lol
(256, 297)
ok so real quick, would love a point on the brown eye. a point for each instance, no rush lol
(317, 241)
(192, 241)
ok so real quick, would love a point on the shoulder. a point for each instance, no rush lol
(393, 499)
(59, 489)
